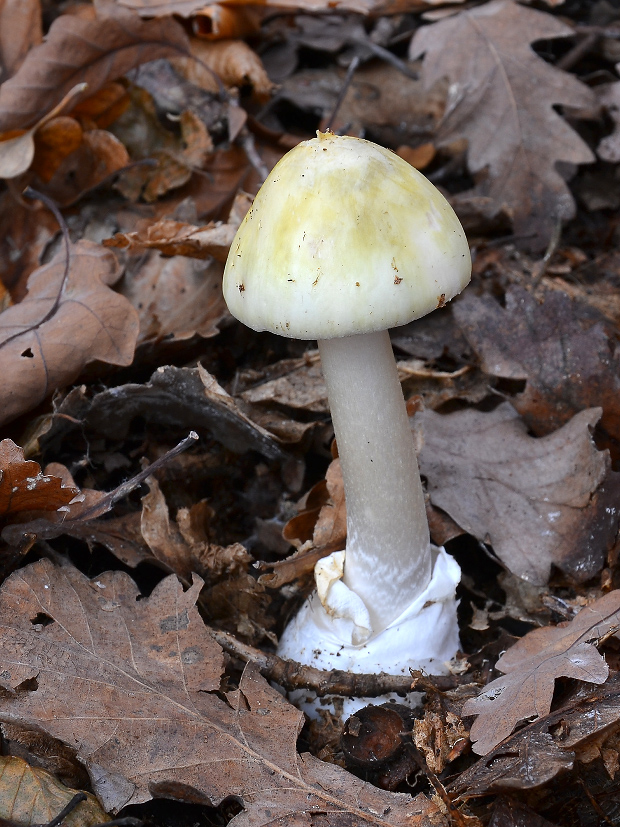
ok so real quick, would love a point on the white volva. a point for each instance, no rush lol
(345, 240)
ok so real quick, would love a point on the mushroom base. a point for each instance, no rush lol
(425, 636)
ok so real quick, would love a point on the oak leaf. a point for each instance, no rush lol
(84, 51)
(538, 502)
(501, 101)
(532, 665)
(134, 685)
(68, 319)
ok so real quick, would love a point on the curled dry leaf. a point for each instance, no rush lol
(66, 321)
(298, 384)
(175, 164)
(233, 61)
(323, 518)
(179, 545)
(134, 686)
(150, 8)
(53, 142)
(539, 502)
(502, 102)
(560, 344)
(29, 795)
(23, 488)
(174, 238)
(99, 155)
(83, 51)
(532, 665)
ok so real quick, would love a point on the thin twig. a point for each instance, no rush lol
(583, 46)
(384, 54)
(343, 91)
(292, 675)
(69, 808)
(104, 505)
(541, 266)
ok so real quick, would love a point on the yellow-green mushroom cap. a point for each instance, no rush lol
(344, 237)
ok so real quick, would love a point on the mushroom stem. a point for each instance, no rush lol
(388, 553)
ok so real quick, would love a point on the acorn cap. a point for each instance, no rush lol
(344, 237)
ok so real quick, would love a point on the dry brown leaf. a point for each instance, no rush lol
(134, 685)
(20, 31)
(532, 665)
(26, 229)
(233, 61)
(23, 488)
(299, 386)
(163, 536)
(104, 107)
(83, 51)
(502, 98)
(394, 108)
(62, 325)
(560, 344)
(218, 21)
(99, 155)
(538, 502)
(176, 298)
(331, 526)
(53, 142)
(323, 517)
(541, 750)
(175, 238)
(29, 795)
(174, 165)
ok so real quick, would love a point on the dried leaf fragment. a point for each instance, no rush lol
(175, 238)
(532, 665)
(62, 325)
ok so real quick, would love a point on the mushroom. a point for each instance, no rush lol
(345, 240)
